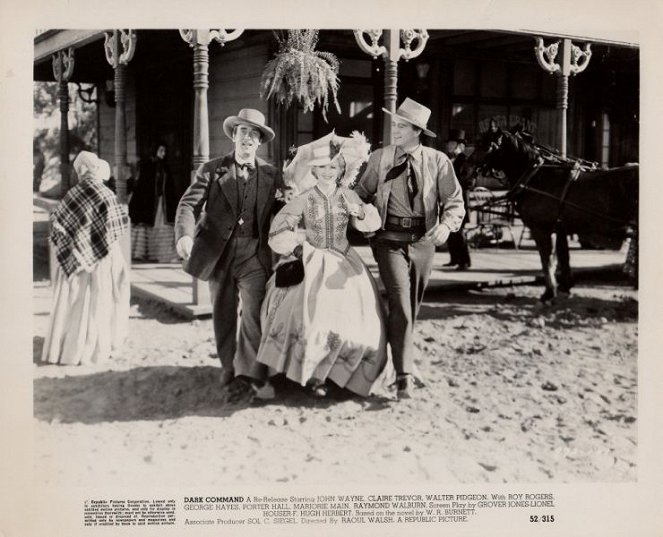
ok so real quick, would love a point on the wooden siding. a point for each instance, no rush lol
(235, 84)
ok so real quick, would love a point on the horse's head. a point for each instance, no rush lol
(484, 160)
(504, 155)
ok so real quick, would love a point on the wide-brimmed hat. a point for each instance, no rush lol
(251, 117)
(457, 135)
(324, 154)
(415, 113)
(354, 149)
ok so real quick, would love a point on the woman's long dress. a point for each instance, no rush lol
(90, 312)
(329, 326)
(152, 234)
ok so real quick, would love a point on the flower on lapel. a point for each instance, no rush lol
(220, 171)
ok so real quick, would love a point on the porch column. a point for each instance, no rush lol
(574, 61)
(390, 79)
(63, 68)
(392, 53)
(120, 46)
(200, 109)
(199, 40)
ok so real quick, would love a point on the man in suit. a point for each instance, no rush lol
(227, 246)
(420, 201)
(459, 253)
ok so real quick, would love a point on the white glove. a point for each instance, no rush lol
(184, 246)
(438, 234)
(356, 210)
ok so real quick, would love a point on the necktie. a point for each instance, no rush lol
(243, 170)
(410, 179)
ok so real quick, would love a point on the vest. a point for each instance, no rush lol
(247, 193)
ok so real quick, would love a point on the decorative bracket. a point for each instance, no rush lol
(373, 49)
(406, 52)
(120, 53)
(580, 58)
(408, 36)
(546, 56)
(574, 59)
(205, 37)
(63, 65)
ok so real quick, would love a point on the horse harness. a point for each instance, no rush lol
(574, 172)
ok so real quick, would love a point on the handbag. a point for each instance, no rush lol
(290, 273)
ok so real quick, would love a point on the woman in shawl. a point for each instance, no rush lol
(329, 326)
(152, 210)
(90, 311)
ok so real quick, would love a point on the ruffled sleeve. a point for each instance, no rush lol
(371, 221)
(284, 236)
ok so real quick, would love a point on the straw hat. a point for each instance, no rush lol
(325, 154)
(354, 150)
(251, 117)
(415, 113)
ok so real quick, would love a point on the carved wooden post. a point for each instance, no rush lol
(201, 111)
(199, 40)
(391, 53)
(390, 79)
(63, 68)
(120, 46)
(574, 61)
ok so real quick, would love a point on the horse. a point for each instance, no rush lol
(560, 196)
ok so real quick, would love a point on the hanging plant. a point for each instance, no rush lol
(300, 73)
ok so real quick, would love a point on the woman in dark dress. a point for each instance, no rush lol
(152, 210)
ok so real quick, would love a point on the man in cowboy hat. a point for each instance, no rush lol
(420, 202)
(227, 246)
(459, 253)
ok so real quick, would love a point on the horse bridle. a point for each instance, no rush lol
(522, 185)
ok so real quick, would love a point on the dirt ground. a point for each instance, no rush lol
(515, 392)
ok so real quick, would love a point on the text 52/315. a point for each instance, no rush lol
(542, 518)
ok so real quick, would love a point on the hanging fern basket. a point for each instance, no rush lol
(299, 73)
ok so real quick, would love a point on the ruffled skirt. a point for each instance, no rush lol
(329, 326)
(156, 243)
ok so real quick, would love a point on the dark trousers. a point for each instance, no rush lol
(404, 270)
(459, 253)
(239, 278)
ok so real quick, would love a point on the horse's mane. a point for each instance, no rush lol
(525, 144)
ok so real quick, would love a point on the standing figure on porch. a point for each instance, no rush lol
(420, 202)
(90, 314)
(221, 228)
(459, 253)
(323, 321)
(152, 209)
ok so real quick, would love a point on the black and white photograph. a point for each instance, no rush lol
(294, 277)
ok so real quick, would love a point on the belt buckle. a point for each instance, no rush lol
(406, 222)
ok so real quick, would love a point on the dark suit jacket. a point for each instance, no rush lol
(213, 195)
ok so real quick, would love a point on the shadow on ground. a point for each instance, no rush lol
(151, 309)
(160, 393)
(519, 304)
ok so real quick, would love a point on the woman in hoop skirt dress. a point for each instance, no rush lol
(330, 325)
